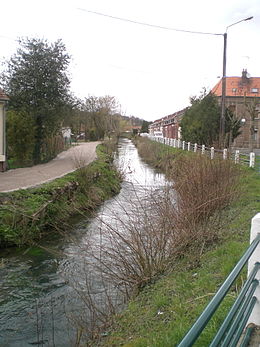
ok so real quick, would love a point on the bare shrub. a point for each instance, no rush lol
(145, 235)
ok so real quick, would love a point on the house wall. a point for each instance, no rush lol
(250, 130)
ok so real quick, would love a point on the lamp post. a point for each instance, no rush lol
(223, 98)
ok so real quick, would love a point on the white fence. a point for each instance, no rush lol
(247, 159)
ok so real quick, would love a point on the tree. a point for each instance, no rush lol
(37, 83)
(20, 135)
(200, 122)
(145, 126)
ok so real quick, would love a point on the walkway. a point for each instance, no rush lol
(67, 161)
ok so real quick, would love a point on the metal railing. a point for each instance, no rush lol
(234, 324)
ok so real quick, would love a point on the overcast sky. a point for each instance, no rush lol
(152, 72)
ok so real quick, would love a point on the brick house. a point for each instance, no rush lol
(243, 99)
(3, 101)
(168, 125)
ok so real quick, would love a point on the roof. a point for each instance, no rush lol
(239, 86)
(3, 96)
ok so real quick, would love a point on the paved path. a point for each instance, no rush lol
(65, 162)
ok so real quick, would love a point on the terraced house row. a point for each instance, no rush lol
(242, 98)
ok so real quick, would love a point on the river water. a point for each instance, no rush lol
(38, 300)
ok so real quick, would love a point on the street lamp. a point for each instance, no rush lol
(223, 99)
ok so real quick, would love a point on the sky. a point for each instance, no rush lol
(152, 72)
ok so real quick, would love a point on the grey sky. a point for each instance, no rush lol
(152, 72)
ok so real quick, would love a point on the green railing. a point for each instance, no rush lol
(232, 327)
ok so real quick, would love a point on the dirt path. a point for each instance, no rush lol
(65, 162)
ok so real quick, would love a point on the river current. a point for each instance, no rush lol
(38, 298)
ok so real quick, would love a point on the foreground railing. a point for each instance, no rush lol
(237, 156)
(233, 326)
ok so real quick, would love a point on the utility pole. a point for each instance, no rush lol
(223, 97)
(223, 94)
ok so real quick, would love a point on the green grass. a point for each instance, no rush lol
(27, 214)
(163, 312)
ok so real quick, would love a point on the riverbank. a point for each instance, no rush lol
(163, 311)
(27, 214)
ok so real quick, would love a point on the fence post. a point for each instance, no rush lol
(183, 145)
(179, 143)
(225, 153)
(252, 160)
(174, 143)
(237, 156)
(212, 153)
(188, 146)
(255, 229)
(203, 149)
(195, 147)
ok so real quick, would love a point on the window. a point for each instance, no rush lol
(234, 90)
(254, 90)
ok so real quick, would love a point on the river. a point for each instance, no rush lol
(38, 300)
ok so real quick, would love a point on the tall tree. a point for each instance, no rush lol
(37, 83)
(200, 122)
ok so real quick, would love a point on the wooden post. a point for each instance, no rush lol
(252, 160)
(203, 149)
(188, 146)
(195, 147)
(225, 153)
(237, 156)
(212, 153)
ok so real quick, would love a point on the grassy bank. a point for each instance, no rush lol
(26, 215)
(163, 311)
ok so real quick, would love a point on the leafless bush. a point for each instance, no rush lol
(142, 238)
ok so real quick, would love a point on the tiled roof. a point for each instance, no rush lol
(238, 86)
(3, 96)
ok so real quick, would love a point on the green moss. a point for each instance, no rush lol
(27, 214)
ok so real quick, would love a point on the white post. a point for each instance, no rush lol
(237, 156)
(174, 143)
(212, 153)
(179, 143)
(252, 160)
(195, 147)
(225, 153)
(188, 146)
(255, 229)
(203, 149)
(183, 145)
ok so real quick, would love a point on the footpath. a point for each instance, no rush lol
(77, 156)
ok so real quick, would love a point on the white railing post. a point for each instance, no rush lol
(174, 143)
(225, 153)
(188, 146)
(203, 149)
(252, 160)
(212, 153)
(179, 143)
(195, 147)
(255, 229)
(237, 156)
(183, 145)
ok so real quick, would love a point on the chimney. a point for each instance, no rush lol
(244, 77)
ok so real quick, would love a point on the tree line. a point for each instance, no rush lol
(36, 79)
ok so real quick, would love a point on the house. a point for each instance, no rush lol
(168, 125)
(243, 99)
(3, 101)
